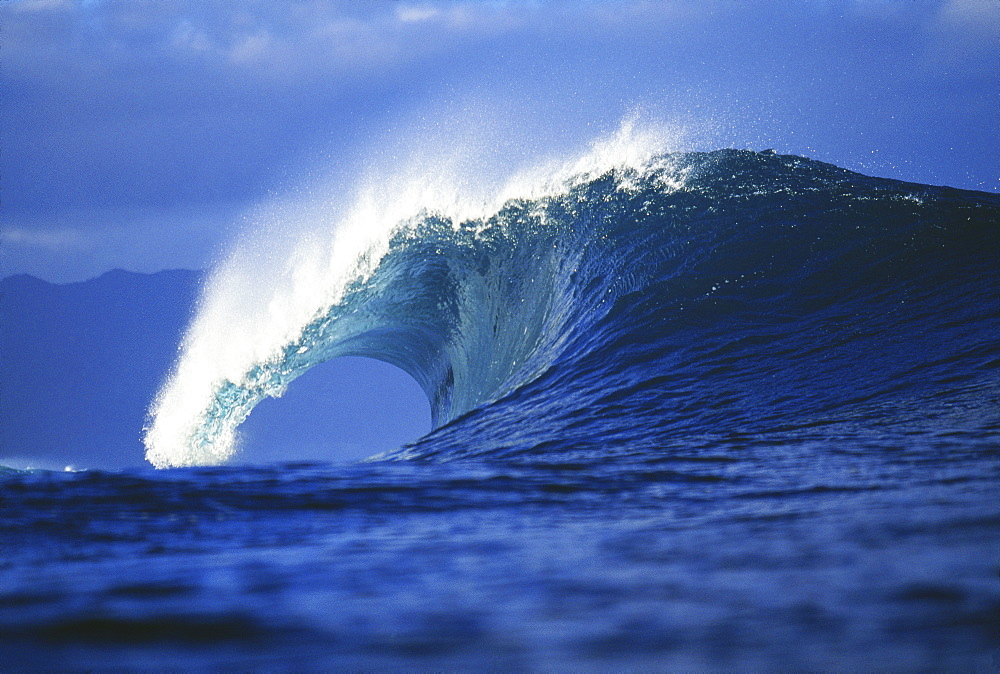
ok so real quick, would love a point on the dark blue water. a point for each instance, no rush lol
(815, 555)
(750, 422)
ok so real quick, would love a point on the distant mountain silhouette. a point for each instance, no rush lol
(80, 364)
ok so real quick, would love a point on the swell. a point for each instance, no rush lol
(681, 296)
(778, 300)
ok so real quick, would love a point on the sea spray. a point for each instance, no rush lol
(276, 307)
(628, 302)
(732, 408)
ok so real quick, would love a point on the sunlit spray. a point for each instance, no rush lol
(249, 338)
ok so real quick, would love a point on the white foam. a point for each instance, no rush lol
(300, 254)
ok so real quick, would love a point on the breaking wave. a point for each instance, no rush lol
(625, 301)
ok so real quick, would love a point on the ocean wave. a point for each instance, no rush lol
(623, 303)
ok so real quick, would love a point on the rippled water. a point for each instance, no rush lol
(823, 554)
(720, 411)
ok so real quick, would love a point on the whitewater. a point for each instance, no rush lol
(353, 286)
(692, 411)
(478, 296)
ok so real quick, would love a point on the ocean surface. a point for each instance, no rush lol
(727, 410)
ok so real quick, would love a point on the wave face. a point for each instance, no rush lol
(649, 304)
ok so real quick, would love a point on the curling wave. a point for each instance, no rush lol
(640, 301)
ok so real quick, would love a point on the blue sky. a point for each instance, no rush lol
(137, 134)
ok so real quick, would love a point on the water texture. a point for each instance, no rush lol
(701, 411)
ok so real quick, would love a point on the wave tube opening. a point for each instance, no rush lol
(470, 293)
(345, 409)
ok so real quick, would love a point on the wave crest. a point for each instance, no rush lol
(623, 302)
(469, 295)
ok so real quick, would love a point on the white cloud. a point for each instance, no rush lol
(965, 38)
(73, 246)
(51, 239)
(40, 5)
(188, 37)
(251, 48)
(416, 14)
(981, 16)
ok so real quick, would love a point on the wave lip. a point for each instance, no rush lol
(660, 297)
(389, 281)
